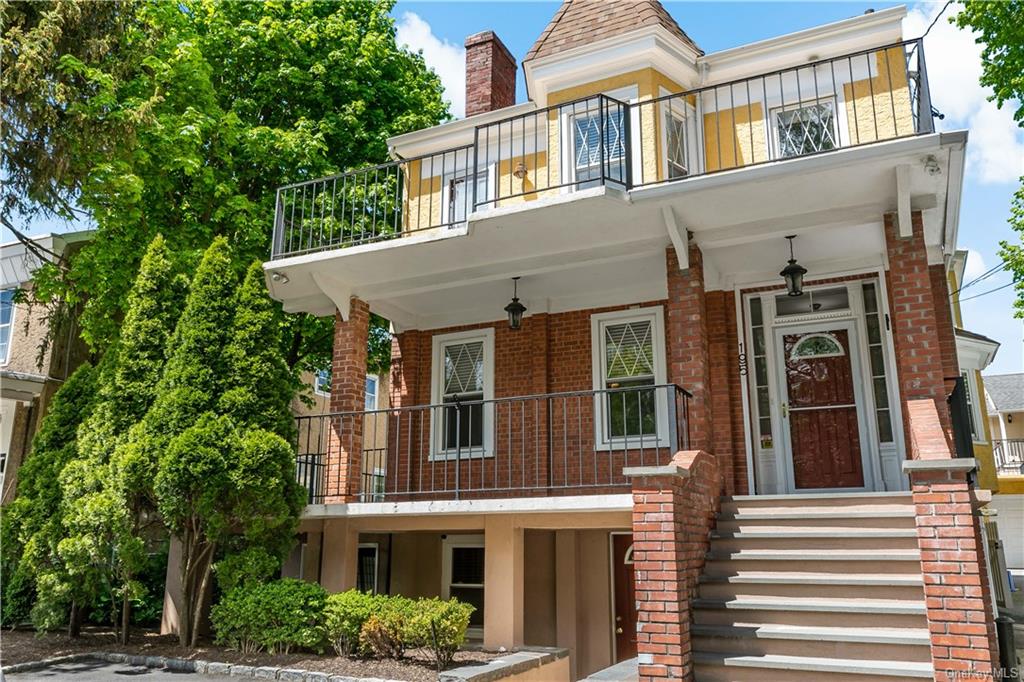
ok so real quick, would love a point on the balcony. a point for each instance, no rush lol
(573, 443)
(1009, 456)
(600, 144)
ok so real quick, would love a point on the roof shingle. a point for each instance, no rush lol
(1006, 391)
(580, 22)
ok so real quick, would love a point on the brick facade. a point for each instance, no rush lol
(674, 509)
(490, 74)
(916, 319)
(348, 394)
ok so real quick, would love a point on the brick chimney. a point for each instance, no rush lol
(490, 74)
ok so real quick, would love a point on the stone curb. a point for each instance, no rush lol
(510, 664)
(193, 666)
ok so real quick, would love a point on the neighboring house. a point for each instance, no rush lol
(558, 460)
(1004, 399)
(28, 378)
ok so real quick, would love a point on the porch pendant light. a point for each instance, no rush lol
(515, 309)
(793, 273)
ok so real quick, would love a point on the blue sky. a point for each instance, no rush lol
(996, 147)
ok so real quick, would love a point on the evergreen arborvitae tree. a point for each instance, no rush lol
(32, 525)
(103, 510)
(259, 386)
(192, 378)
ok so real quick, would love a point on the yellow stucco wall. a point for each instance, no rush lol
(879, 108)
(735, 137)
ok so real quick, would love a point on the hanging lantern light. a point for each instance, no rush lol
(793, 273)
(515, 309)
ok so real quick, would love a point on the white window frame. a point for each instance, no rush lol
(376, 393)
(773, 124)
(439, 343)
(448, 543)
(628, 94)
(598, 322)
(316, 383)
(446, 182)
(376, 562)
(10, 327)
(688, 117)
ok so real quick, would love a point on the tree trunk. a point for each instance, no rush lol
(204, 583)
(75, 620)
(126, 617)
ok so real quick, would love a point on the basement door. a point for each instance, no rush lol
(823, 413)
(624, 596)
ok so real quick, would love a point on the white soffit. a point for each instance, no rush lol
(862, 32)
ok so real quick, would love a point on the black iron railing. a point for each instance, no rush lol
(1009, 455)
(848, 101)
(551, 444)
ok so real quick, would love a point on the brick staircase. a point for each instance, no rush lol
(812, 587)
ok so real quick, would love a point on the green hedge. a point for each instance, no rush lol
(274, 616)
(285, 614)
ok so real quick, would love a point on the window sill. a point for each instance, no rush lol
(447, 456)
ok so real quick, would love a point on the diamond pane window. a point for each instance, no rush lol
(463, 382)
(805, 130)
(675, 143)
(629, 362)
(587, 144)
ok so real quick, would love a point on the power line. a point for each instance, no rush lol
(983, 276)
(986, 293)
(936, 19)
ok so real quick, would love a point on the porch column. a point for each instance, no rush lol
(916, 321)
(348, 394)
(566, 567)
(503, 582)
(339, 554)
(686, 326)
(674, 508)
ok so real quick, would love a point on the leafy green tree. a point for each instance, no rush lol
(182, 118)
(32, 525)
(1000, 28)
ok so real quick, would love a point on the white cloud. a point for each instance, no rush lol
(995, 148)
(447, 59)
(975, 265)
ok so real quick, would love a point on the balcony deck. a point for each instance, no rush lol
(558, 444)
(549, 155)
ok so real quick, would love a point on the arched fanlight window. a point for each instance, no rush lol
(817, 346)
(627, 559)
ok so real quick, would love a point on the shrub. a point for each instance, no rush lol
(440, 626)
(344, 616)
(275, 616)
(388, 631)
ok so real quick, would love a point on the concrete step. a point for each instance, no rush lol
(810, 578)
(782, 521)
(830, 499)
(817, 555)
(815, 539)
(810, 611)
(724, 589)
(830, 513)
(819, 642)
(713, 667)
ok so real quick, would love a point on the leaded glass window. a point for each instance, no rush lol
(629, 363)
(806, 129)
(463, 383)
(817, 346)
(586, 130)
(876, 357)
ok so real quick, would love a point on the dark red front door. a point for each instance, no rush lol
(822, 410)
(625, 597)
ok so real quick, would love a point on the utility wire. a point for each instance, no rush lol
(983, 276)
(936, 19)
(986, 293)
